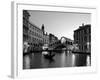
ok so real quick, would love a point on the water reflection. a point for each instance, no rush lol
(73, 60)
(26, 62)
(63, 59)
(88, 61)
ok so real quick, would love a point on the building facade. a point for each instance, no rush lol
(32, 34)
(53, 41)
(82, 37)
(25, 25)
(52, 38)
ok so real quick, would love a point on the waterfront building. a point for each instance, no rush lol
(25, 25)
(35, 36)
(52, 40)
(62, 43)
(82, 37)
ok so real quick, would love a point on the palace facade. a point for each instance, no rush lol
(32, 34)
(82, 37)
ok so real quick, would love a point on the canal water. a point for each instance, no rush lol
(62, 59)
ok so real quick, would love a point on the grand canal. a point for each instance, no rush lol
(61, 59)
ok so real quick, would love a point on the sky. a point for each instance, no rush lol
(59, 23)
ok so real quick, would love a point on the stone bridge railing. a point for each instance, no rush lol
(58, 44)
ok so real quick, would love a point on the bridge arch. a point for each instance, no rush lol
(62, 43)
(63, 40)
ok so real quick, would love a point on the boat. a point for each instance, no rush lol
(49, 55)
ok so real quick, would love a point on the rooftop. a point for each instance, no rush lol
(83, 27)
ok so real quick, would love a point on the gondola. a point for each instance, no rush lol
(49, 56)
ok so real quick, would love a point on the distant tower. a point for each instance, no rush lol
(82, 24)
(43, 28)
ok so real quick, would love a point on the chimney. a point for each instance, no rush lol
(82, 25)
